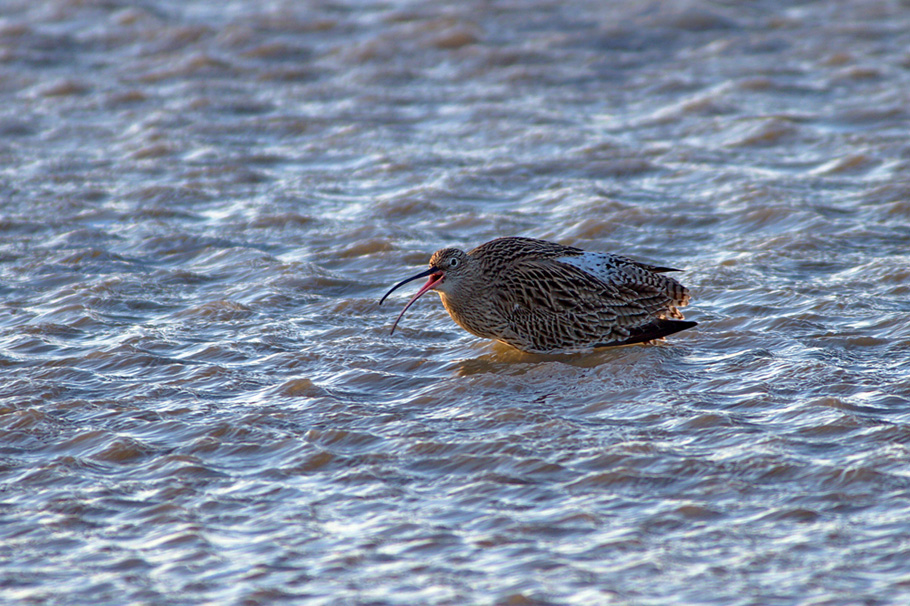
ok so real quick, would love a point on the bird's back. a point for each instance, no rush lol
(543, 296)
(504, 251)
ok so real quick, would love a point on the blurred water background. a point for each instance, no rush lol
(201, 203)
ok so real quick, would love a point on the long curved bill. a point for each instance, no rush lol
(435, 278)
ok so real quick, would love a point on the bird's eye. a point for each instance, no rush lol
(453, 263)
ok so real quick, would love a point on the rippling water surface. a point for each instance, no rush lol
(202, 202)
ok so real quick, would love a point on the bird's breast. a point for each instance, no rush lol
(477, 314)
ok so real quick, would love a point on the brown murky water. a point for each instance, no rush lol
(203, 201)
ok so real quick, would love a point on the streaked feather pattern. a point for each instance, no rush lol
(540, 296)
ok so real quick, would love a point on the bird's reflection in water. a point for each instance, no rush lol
(508, 360)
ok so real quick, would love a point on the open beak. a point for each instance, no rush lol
(435, 278)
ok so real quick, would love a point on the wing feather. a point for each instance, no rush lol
(547, 304)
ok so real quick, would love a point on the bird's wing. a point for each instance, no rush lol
(558, 305)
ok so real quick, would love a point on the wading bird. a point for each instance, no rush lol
(543, 297)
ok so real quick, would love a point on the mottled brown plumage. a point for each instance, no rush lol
(543, 297)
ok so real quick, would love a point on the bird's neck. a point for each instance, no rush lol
(469, 304)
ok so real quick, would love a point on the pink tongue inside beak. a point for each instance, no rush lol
(432, 281)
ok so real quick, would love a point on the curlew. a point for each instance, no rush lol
(543, 297)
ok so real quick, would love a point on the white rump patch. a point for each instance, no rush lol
(600, 265)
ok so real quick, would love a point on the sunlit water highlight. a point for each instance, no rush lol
(201, 203)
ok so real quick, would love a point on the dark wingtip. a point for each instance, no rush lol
(655, 330)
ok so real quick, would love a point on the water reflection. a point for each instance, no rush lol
(200, 400)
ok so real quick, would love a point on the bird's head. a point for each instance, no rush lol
(447, 267)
